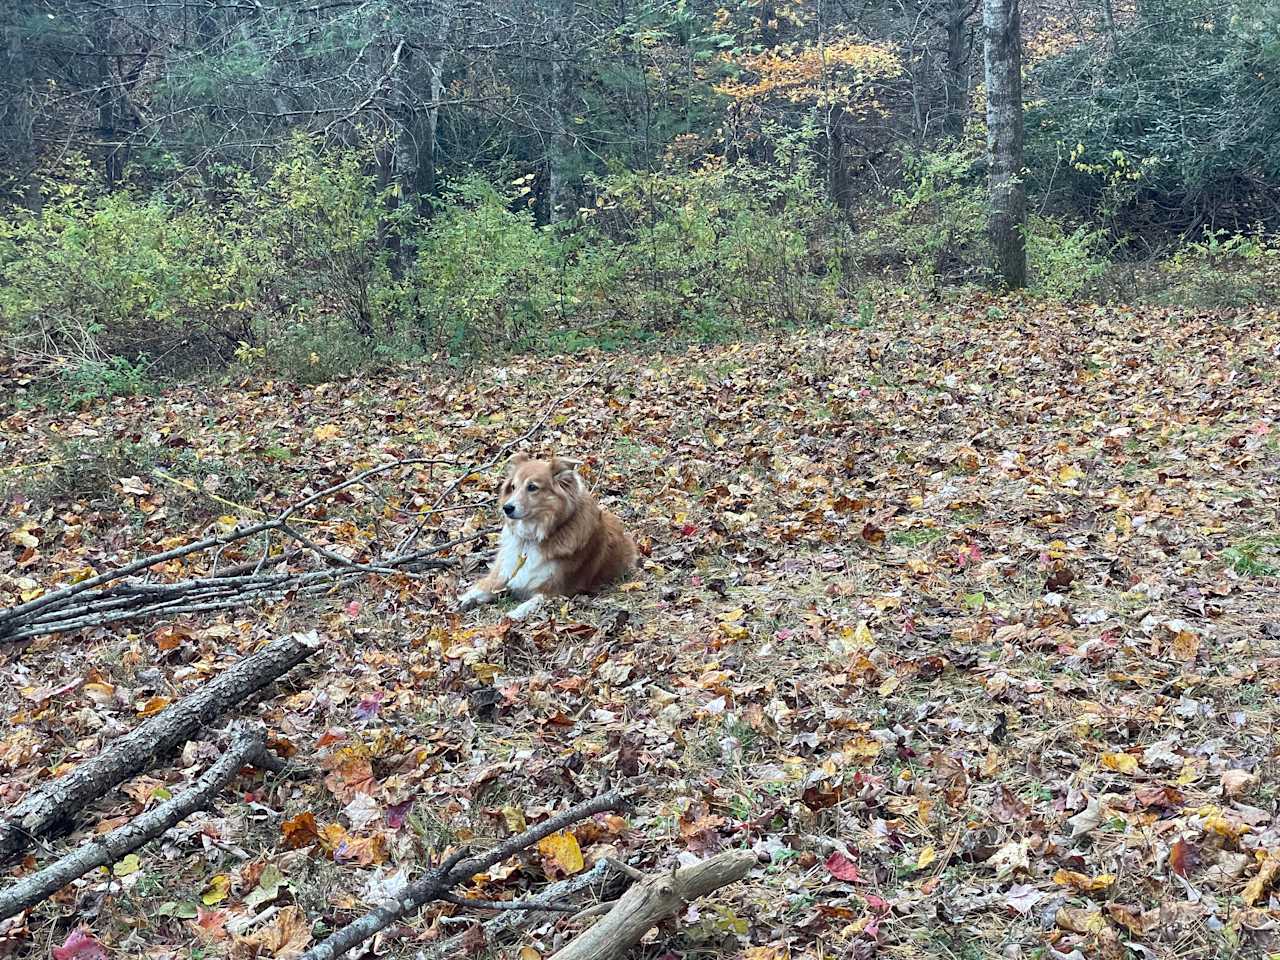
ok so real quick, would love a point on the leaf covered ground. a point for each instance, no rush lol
(968, 620)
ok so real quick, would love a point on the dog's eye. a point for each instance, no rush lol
(532, 488)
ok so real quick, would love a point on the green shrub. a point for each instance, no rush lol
(702, 251)
(485, 275)
(1173, 127)
(1063, 263)
(936, 232)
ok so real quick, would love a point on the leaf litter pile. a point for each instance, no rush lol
(968, 624)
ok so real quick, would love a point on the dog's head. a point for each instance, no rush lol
(537, 495)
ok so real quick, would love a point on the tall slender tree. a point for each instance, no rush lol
(1007, 217)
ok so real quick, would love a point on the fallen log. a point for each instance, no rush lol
(57, 802)
(248, 747)
(458, 869)
(652, 900)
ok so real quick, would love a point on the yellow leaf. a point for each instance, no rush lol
(153, 706)
(1081, 920)
(1186, 645)
(889, 685)
(130, 864)
(217, 890)
(1256, 888)
(1120, 762)
(927, 856)
(1083, 883)
(864, 747)
(327, 432)
(514, 817)
(1068, 475)
(485, 671)
(857, 638)
(528, 953)
(564, 850)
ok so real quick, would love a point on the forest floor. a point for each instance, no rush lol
(969, 620)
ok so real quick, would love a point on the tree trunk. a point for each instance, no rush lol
(105, 96)
(248, 746)
(559, 199)
(1007, 189)
(427, 176)
(957, 16)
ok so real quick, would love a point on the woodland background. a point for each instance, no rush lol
(309, 187)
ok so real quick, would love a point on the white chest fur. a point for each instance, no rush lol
(522, 565)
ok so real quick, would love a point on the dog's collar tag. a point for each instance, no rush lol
(519, 564)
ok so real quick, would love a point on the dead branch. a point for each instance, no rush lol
(458, 869)
(248, 746)
(40, 812)
(652, 900)
(508, 921)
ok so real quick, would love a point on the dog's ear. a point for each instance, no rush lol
(515, 461)
(563, 471)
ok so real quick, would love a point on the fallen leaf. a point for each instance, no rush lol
(217, 890)
(300, 831)
(1122, 762)
(842, 868)
(1083, 882)
(80, 945)
(562, 848)
(286, 936)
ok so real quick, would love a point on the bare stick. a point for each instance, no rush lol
(506, 922)
(38, 813)
(453, 872)
(652, 900)
(248, 746)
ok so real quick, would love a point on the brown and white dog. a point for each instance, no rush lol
(556, 540)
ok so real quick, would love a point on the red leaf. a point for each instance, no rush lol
(842, 868)
(80, 945)
(1182, 857)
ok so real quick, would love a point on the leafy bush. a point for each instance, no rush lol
(90, 277)
(485, 275)
(936, 231)
(694, 251)
(1063, 263)
(1175, 127)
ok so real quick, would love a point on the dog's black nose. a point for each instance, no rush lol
(508, 508)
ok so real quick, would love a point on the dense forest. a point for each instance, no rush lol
(310, 185)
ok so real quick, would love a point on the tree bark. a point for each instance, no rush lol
(559, 205)
(248, 746)
(1007, 189)
(957, 77)
(652, 900)
(42, 811)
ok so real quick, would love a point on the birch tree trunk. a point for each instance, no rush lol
(1007, 189)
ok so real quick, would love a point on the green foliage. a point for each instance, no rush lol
(1222, 269)
(1174, 127)
(485, 274)
(298, 264)
(936, 231)
(705, 249)
(87, 381)
(1064, 263)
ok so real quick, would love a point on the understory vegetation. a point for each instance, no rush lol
(785, 177)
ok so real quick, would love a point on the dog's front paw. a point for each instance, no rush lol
(472, 599)
(527, 609)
